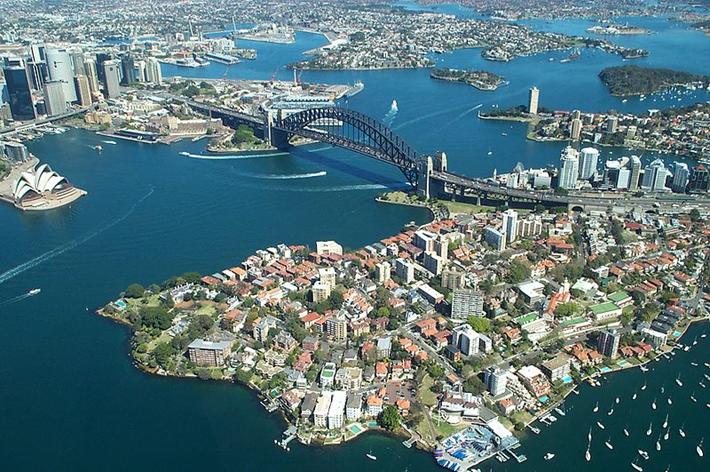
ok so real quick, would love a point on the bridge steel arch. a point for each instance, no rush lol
(354, 131)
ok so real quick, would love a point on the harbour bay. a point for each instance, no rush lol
(151, 213)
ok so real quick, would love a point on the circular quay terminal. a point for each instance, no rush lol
(387, 235)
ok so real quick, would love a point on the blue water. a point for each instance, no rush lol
(70, 398)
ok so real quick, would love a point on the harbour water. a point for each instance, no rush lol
(70, 398)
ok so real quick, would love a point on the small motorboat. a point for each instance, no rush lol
(617, 400)
(670, 402)
(649, 430)
(548, 456)
(608, 444)
(637, 467)
(643, 387)
(677, 380)
(653, 404)
(588, 455)
(643, 454)
(681, 432)
(699, 448)
(626, 432)
(601, 426)
(370, 456)
(596, 407)
(633, 397)
(611, 412)
(34, 292)
(665, 422)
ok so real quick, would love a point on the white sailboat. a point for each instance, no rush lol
(633, 397)
(658, 443)
(681, 432)
(699, 448)
(670, 402)
(692, 398)
(637, 467)
(653, 405)
(643, 387)
(611, 412)
(596, 407)
(650, 429)
(601, 426)
(617, 400)
(665, 422)
(677, 380)
(626, 432)
(667, 435)
(607, 443)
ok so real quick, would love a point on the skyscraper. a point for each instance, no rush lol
(60, 69)
(569, 168)
(466, 302)
(510, 225)
(699, 179)
(576, 129)
(128, 66)
(111, 79)
(83, 90)
(92, 75)
(654, 177)
(54, 101)
(681, 176)
(635, 173)
(611, 124)
(18, 90)
(608, 343)
(153, 72)
(588, 166)
(533, 100)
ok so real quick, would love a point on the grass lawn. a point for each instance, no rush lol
(426, 396)
(458, 207)
(445, 429)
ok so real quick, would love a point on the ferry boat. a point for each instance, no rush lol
(34, 291)
(637, 467)
(548, 456)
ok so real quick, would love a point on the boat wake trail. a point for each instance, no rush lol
(59, 250)
(231, 156)
(391, 114)
(404, 124)
(288, 176)
(16, 299)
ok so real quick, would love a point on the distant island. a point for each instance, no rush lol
(480, 79)
(634, 80)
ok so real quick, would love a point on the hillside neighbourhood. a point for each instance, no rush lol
(471, 326)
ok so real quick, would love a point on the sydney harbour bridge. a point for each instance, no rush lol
(429, 175)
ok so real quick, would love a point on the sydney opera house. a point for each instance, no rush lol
(41, 188)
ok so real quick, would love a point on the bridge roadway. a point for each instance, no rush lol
(585, 201)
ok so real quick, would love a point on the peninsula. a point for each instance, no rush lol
(436, 333)
(480, 79)
(634, 80)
